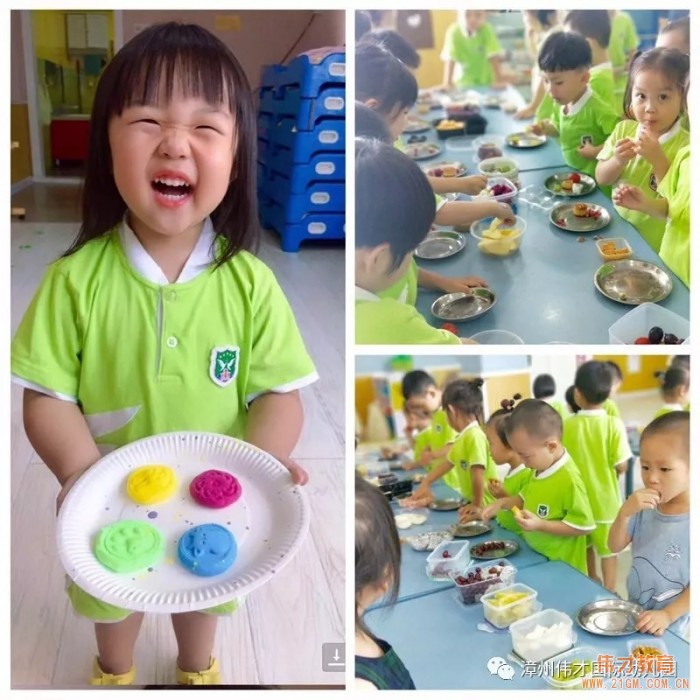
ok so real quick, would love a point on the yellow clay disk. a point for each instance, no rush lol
(151, 484)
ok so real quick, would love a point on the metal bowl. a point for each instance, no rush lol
(563, 217)
(588, 183)
(610, 618)
(417, 126)
(422, 151)
(509, 547)
(473, 528)
(441, 244)
(633, 282)
(442, 504)
(460, 306)
(461, 168)
(524, 139)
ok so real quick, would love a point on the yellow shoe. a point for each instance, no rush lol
(102, 678)
(209, 677)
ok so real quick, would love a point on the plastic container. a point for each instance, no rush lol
(471, 593)
(567, 671)
(458, 130)
(509, 197)
(501, 610)
(438, 567)
(542, 635)
(646, 661)
(613, 249)
(406, 518)
(497, 338)
(504, 167)
(486, 147)
(642, 318)
(494, 242)
(460, 144)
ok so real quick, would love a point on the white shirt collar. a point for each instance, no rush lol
(473, 424)
(673, 407)
(364, 295)
(577, 106)
(200, 259)
(592, 412)
(554, 468)
(669, 134)
(601, 66)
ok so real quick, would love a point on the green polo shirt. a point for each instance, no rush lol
(559, 407)
(675, 244)
(404, 290)
(638, 172)
(142, 357)
(623, 40)
(439, 434)
(596, 443)
(669, 408)
(513, 483)
(471, 54)
(546, 108)
(590, 116)
(558, 493)
(389, 322)
(471, 447)
(611, 408)
(602, 82)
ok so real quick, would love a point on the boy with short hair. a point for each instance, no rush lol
(598, 444)
(552, 509)
(583, 120)
(544, 387)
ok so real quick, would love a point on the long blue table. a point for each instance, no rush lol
(438, 640)
(545, 290)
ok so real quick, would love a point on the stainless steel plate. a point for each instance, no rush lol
(417, 126)
(446, 504)
(554, 181)
(459, 306)
(422, 151)
(522, 139)
(509, 547)
(563, 217)
(610, 618)
(473, 528)
(633, 282)
(461, 168)
(441, 244)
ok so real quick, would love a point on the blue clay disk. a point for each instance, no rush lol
(207, 550)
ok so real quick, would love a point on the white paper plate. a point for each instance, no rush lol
(269, 522)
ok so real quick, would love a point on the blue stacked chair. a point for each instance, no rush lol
(301, 150)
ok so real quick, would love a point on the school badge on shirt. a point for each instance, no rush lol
(542, 510)
(223, 365)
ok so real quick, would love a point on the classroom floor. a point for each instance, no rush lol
(276, 638)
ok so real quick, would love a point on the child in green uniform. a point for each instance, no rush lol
(422, 400)
(594, 26)
(544, 388)
(598, 444)
(469, 457)
(622, 47)
(673, 207)
(471, 53)
(518, 474)
(158, 318)
(642, 148)
(675, 35)
(552, 508)
(583, 120)
(377, 576)
(616, 377)
(675, 389)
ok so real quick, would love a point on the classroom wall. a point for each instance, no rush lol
(469, 363)
(21, 157)
(429, 73)
(638, 370)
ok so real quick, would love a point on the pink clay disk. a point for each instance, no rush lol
(215, 489)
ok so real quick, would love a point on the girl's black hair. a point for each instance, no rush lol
(154, 64)
(591, 24)
(498, 418)
(673, 378)
(395, 44)
(562, 51)
(570, 400)
(377, 545)
(544, 386)
(394, 202)
(369, 125)
(547, 18)
(466, 396)
(379, 75)
(363, 24)
(671, 62)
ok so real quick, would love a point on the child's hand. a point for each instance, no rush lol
(462, 284)
(629, 197)
(653, 622)
(648, 145)
(538, 128)
(502, 211)
(490, 511)
(496, 489)
(423, 491)
(299, 476)
(644, 499)
(525, 113)
(588, 151)
(426, 458)
(528, 521)
(470, 512)
(473, 184)
(625, 150)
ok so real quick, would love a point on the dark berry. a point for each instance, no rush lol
(445, 555)
(656, 335)
(670, 339)
(504, 403)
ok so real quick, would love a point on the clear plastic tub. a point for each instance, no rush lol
(645, 649)
(613, 249)
(507, 605)
(438, 566)
(488, 146)
(567, 671)
(502, 241)
(542, 635)
(505, 167)
(471, 593)
(508, 197)
(642, 318)
(497, 338)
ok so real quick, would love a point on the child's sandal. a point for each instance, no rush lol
(209, 677)
(99, 677)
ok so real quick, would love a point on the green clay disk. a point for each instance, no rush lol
(128, 546)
